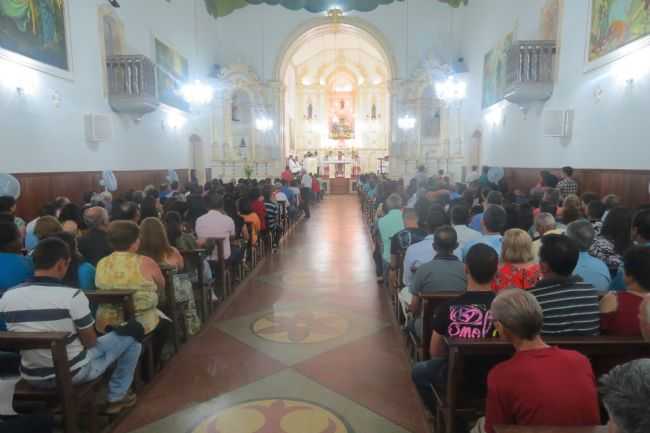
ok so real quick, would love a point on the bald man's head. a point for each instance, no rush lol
(96, 218)
(445, 240)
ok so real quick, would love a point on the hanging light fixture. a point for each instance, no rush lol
(406, 121)
(451, 90)
(197, 92)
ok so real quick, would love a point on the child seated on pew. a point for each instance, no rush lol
(467, 316)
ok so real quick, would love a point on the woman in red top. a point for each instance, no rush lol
(620, 311)
(518, 269)
(257, 205)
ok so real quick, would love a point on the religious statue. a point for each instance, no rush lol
(373, 112)
(310, 112)
(342, 104)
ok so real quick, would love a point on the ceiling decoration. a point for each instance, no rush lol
(221, 8)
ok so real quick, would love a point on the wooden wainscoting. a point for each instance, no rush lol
(41, 188)
(630, 185)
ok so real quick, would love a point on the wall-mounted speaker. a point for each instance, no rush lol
(98, 127)
(558, 123)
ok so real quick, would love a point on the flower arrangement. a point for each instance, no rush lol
(248, 171)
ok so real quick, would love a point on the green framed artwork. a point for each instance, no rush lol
(495, 69)
(172, 72)
(616, 28)
(35, 33)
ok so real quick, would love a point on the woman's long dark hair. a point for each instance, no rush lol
(173, 226)
(76, 259)
(617, 227)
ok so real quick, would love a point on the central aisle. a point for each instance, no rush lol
(307, 346)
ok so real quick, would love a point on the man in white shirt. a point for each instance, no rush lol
(45, 304)
(216, 224)
(294, 165)
(466, 234)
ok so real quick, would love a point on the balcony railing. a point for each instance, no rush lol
(131, 84)
(530, 73)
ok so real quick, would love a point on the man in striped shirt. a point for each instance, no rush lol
(570, 305)
(45, 304)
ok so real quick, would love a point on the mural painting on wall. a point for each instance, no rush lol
(36, 30)
(614, 25)
(495, 72)
(550, 20)
(172, 71)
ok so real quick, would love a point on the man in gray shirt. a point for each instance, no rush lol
(445, 273)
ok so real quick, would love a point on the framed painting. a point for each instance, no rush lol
(616, 28)
(36, 34)
(172, 72)
(495, 70)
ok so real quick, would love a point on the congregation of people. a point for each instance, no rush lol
(553, 262)
(50, 266)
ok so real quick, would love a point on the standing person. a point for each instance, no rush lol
(46, 304)
(540, 385)
(315, 188)
(294, 165)
(567, 185)
(287, 175)
(306, 192)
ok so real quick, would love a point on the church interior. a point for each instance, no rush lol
(324, 216)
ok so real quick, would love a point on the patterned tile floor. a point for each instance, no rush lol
(305, 347)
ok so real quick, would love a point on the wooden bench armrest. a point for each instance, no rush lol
(30, 340)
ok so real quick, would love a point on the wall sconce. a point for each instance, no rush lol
(451, 90)
(263, 124)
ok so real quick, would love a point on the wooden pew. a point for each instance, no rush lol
(172, 308)
(598, 349)
(429, 303)
(69, 396)
(223, 270)
(194, 260)
(530, 429)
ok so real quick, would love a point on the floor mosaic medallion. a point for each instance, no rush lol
(302, 327)
(274, 416)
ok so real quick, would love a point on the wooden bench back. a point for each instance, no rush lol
(430, 302)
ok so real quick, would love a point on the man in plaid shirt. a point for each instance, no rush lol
(567, 185)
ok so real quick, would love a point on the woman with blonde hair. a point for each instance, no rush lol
(154, 244)
(518, 268)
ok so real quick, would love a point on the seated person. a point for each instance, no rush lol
(445, 273)
(155, 245)
(518, 269)
(93, 244)
(592, 270)
(545, 224)
(570, 306)
(32, 307)
(494, 198)
(81, 274)
(249, 216)
(493, 224)
(177, 235)
(14, 267)
(422, 252)
(540, 385)
(125, 269)
(412, 233)
(450, 319)
(46, 226)
(620, 309)
(644, 318)
(459, 219)
(626, 392)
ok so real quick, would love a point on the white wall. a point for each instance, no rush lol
(610, 133)
(38, 136)
(256, 33)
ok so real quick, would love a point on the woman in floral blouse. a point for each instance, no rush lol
(518, 268)
(614, 238)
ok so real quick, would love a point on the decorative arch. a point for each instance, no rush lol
(321, 26)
